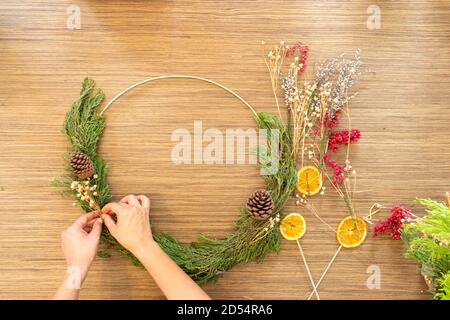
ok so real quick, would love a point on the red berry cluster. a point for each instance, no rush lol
(336, 139)
(302, 51)
(333, 122)
(394, 223)
(343, 137)
(338, 170)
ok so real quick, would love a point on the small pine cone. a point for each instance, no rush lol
(260, 204)
(81, 165)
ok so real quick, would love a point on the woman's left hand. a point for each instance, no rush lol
(80, 242)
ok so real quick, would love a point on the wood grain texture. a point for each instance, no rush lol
(402, 110)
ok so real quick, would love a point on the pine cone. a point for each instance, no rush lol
(260, 204)
(81, 165)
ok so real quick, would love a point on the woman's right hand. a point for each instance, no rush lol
(132, 228)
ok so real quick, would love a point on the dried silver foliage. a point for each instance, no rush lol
(289, 86)
(342, 73)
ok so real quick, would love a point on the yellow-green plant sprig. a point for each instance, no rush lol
(427, 241)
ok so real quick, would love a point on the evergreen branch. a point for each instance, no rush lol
(444, 288)
(427, 242)
(428, 252)
(435, 224)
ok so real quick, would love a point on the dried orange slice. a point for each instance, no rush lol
(309, 180)
(351, 232)
(293, 226)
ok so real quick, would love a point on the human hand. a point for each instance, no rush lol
(133, 231)
(132, 228)
(80, 242)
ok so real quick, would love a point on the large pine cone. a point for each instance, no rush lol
(81, 165)
(260, 204)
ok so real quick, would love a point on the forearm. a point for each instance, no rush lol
(173, 281)
(71, 285)
(64, 293)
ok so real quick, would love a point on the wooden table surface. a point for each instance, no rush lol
(402, 111)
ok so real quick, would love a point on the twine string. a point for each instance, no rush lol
(374, 209)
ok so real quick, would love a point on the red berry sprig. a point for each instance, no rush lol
(338, 170)
(338, 138)
(345, 137)
(394, 223)
(302, 51)
(333, 122)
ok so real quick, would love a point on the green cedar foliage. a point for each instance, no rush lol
(427, 242)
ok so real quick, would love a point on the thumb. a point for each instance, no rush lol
(96, 229)
(110, 224)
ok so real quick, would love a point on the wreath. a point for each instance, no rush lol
(304, 140)
(86, 180)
